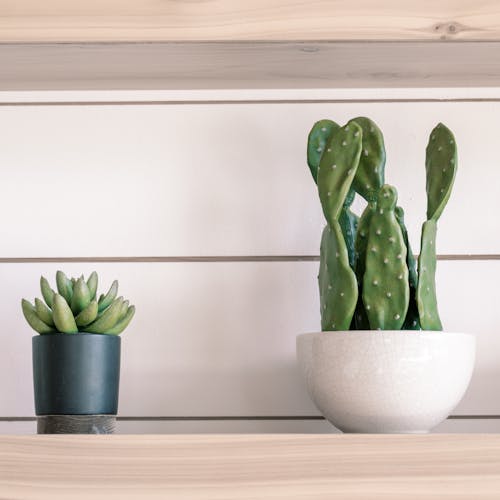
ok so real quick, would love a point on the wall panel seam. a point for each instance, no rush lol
(238, 418)
(215, 258)
(248, 101)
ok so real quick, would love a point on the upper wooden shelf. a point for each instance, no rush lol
(250, 466)
(237, 20)
(185, 44)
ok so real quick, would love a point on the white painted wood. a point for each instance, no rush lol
(14, 427)
(469, 425)
(237, 95)
(219, 180)
(218, 339)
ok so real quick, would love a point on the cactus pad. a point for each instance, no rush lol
(348, 221)
(337, 169)
(370, 174)
(316, 144)
(368, 277)
(385, 283)
(412, 320)
(337, 281)
(426, 290)
(441, 167)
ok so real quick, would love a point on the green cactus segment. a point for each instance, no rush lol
(316, 144)
(33, 320)
(108, 319)
(348, 221)
(81, 296)
(47, 292)
(385, 283)
(88, 315)
(43, 312)
(92, 285)
(412, 320)
(124, 322)
(106, 300)
(370, 174)
(64, 286)
(337, 169)
(441, 167)
(361, 241)
(426, 289)
(63, 316)
(361, 319)
(337, 281)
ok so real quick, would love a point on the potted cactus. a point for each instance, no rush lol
(404, 376)
(76, 356)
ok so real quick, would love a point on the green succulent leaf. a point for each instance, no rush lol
(47, 292)
(44, 313)
(63, 316)
(81, 296)
(33, 320)
(106, 300)
(92, 285)
(64, 286)
(88, 315)
(123, 322)
(108, 319)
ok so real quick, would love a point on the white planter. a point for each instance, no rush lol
(386, 381)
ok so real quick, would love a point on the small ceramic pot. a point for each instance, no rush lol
(386, 381)
(76, 380)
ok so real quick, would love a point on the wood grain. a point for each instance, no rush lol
(250, 467)
(247, 65)
(209, 20)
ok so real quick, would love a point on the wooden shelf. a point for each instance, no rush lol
(250, 466)
(229, 20)
(233, 65)
(223, 44)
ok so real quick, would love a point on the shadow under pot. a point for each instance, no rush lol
(76, 381)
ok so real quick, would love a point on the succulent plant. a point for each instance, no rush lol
(368, 276)
(75, 308)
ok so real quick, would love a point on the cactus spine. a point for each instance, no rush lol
(368, 275)
(75, 308)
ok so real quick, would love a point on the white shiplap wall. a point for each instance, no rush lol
(201, 204)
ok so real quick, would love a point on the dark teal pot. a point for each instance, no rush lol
(76, 374)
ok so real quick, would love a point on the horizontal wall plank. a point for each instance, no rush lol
(200, 180)
(253, 426)
(134, 20)
(241, 65)
(255, 96)
(215, 339)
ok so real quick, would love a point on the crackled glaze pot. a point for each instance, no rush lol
(386, 381)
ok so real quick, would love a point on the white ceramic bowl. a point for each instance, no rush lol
(386, 381)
